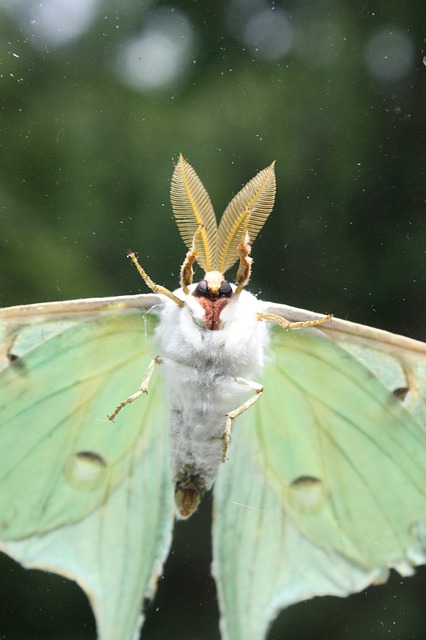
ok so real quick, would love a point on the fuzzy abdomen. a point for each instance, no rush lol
(198, 409)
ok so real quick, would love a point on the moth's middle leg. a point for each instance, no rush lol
(143, 388)
(258, 390)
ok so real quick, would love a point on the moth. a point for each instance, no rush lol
(311, 429)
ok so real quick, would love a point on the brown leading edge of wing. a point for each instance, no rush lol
(338, 329)
(24, 313)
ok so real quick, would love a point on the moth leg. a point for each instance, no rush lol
(142, 389)
(156, 288)
(186, 271)
(258, 390)
(244, 248)
(287, 325)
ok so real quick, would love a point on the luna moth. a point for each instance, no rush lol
(311, 431)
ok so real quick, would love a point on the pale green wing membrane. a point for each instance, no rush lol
(325, 486)
(80, 495)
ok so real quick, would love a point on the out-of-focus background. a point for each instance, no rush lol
(97, 99)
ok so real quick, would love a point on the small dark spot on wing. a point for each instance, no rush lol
(305, 481)
(14, 360)
(308, 494)
(401, 393)
(85, 471)
(91, 457)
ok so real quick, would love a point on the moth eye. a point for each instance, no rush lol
(225, 290)
(201, 289)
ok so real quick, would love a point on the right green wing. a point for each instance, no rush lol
(325, 487)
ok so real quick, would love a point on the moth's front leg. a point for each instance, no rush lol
(143, 388)
(187, 271)
(156, 288)
(258, 390)
(287, 325)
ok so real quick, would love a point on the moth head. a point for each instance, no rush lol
(213, 286)
(213, 293)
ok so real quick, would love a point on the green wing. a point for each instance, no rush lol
(79, 495)
(325, 488)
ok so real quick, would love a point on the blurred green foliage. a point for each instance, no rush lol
(86, 161)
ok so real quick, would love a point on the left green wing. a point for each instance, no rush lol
(325, 487)
(79, 495)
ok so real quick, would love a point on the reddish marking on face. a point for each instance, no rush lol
(212, 311)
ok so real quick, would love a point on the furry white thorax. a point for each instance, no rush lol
(200, 368)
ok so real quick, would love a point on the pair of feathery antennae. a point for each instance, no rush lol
(218, 247)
